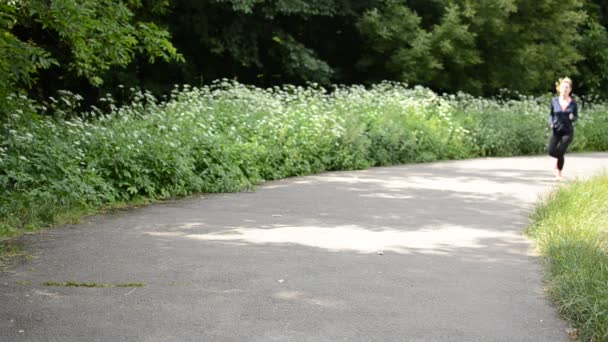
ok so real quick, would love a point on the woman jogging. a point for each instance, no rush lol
(564, 112)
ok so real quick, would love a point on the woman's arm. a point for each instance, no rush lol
(574, 115)
(551, 115)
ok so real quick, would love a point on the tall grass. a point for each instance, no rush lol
(571, 229)
(230, 137)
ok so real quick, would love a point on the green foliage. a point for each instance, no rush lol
(504, 128)
(594, 67)
(302, 62)
(590, 132)
(476, 47)
(258, 41)
(84, 38)
(230, 137)
(395, 32)
(541, 43)
(271, 9)
(570, 229)
(19, 61)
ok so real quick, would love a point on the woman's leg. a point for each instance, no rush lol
(561, 148)
(552, 148)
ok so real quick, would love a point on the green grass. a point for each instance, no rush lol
(74, 284)
(84, 284)
(8, 252)
(571, 231)
(131, 285)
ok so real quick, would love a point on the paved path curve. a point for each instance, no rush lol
(297, 260)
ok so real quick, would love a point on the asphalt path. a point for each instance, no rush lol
(421, 252)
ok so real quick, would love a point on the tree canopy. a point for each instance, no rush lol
(479, 47)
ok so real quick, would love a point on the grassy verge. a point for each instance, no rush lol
(571, 230)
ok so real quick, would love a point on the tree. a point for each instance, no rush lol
(263, 42)
(475, 46)
(77, 38)
(593, 46)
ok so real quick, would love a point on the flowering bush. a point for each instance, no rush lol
(229, 137)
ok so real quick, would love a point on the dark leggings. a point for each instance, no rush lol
(557, 147)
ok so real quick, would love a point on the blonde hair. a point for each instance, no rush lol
(565, 79)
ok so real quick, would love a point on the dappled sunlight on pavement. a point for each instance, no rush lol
(358, 239)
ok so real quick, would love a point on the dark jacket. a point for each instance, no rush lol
(560, 119)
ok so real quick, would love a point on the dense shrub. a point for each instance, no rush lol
(229, 137)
